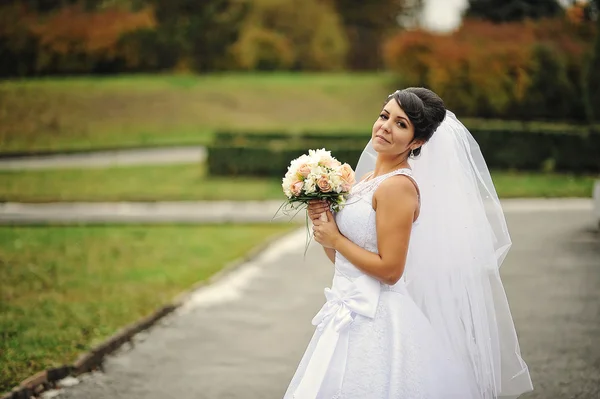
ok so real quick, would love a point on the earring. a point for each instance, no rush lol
(412, 153)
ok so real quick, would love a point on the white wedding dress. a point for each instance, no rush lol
(371, 340)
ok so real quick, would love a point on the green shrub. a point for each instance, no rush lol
(542, 98)
(240, 160)
(301, 139)
(538, 150)
(522, 147)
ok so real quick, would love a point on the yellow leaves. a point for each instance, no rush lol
(259, 48)
(294, 34)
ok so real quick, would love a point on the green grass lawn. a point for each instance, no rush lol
(189, 182)
(64, 289)
(550, 185)
(138, 183)
(149, 110)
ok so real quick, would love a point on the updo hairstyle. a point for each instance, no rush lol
(424, 108)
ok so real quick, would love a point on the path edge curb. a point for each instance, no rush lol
(44, 380)
(13, 155)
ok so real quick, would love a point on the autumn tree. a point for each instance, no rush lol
(592, 79)
(550, 92)
(291, 34)
(36, 39)
(200, 32)
(44, 6)
(367, 25)
(511, 70)
(512, 10)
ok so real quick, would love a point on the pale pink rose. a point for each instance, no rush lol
(346, 187)
(323, 184)
(347, 174)
(297, 187)
(304, 170)
(329, 162)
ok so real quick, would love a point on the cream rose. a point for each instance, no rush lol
(329, 163)
(324, 184)
(296, 188)
(304, 170)
(347, 175)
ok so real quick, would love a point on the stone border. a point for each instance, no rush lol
(21, 154)
(596, 198)
(93, 359)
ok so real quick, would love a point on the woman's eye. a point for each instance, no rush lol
(402, 125)
(383, 116)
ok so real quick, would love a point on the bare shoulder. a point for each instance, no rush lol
(397, 187)
(396, 190)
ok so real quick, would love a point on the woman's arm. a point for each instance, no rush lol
(330, 252)
(396, 203)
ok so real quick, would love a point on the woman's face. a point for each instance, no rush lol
(393, 132)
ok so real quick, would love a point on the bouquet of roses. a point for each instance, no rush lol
(318, 176)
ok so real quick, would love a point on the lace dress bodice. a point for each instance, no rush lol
(356, 220)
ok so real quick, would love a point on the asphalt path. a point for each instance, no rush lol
(243, 337)
(12, 213)
(103, 159)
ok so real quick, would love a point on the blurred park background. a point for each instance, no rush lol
(257, 83)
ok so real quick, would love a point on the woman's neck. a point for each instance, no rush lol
(387, 165)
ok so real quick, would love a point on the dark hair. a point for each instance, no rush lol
(424, 108)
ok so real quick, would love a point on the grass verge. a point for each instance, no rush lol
(548, 185)
(64, 289)
(136, 183)
(148, 110)
(190, 182)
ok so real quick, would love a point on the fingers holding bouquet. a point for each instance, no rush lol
(326, 232)
(317, 210)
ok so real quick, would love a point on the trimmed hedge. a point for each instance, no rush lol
(269, 137)
(235, 160)
(545, 151)
(269, 153)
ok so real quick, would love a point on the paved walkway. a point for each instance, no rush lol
(208, 211)
(243, 337)
(102, 159)
(240, 338)
(144, 212)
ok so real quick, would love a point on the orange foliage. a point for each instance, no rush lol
(483, 68)
(576, 13)
(73, 30)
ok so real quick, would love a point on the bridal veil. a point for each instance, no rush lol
(452, 270)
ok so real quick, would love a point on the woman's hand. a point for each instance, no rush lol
(326, 233)
(316, 208)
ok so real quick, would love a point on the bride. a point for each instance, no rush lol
(417, 308)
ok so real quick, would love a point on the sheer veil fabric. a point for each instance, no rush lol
(453, 263)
